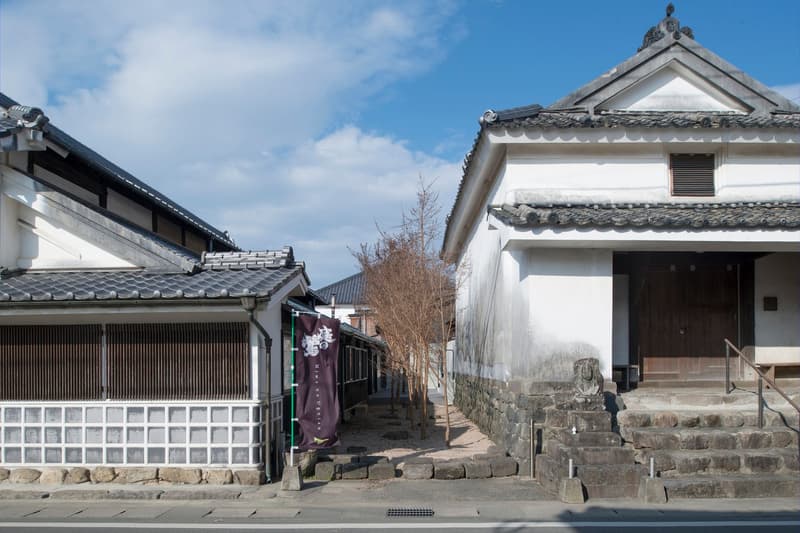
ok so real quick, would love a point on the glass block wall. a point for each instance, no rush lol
(192, 434)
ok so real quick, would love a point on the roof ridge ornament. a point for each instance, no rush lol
(669, 25)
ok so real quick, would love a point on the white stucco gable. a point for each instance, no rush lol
(674, 87)
(44, 229)
(45, 245)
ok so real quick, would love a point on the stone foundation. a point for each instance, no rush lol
(131, 475)
(504, 410)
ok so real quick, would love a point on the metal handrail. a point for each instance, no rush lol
(761, 378)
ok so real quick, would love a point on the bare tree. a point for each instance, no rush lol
(409, 289)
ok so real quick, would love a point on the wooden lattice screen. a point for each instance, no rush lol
(208, 361)
(50, 362)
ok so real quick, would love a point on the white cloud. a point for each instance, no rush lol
(336, 190)
(232, 108)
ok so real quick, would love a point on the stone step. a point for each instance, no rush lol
(636, 418)
(590, 438)
(600, 481)
(710, 438)
(549, 473)
(589, 455)
(611, 481)
(683, 463)
(734, 486)
(653, 399)
(582, 421)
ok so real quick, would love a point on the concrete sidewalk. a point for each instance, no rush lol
(497, 499)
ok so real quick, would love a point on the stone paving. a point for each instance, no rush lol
(385, 433)
(379, 443)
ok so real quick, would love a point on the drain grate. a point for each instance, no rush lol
(409, 511)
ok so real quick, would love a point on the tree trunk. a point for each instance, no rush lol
(393, 391)
(423, 389)
(446, 402)
(410, 403)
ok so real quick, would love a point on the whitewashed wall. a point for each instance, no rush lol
(343, 312)
(778, 332)
(571, 300)
(639, 172)
(528, 314)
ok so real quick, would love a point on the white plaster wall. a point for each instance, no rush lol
(270, 318)
(640, 173)
(342, 311)
(674, 88)
(9, 233)
(778, 332)
(478, 279)
(43, 244)
(529, 314)
(571, 302)
(621, 311)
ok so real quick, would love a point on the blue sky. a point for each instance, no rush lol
(306, 123)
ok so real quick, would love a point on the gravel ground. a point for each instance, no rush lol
(370, 429)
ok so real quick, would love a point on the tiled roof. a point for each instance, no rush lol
(214, 283)
(677, 216)
(577, 110)
(576, 119)
(122, 177)
(350, 290)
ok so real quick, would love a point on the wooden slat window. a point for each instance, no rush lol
(692, 174)
(46, 363)
(198, 361)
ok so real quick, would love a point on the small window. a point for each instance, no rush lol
(692, 174)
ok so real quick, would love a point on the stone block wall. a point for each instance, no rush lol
(132, 475)
(504, 410)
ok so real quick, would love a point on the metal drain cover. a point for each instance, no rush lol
(409, 511)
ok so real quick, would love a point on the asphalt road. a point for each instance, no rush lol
(712, 526)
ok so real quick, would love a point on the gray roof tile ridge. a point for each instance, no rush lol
(248, 260)
(680, 204)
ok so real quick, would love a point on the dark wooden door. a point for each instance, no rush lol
(685, 312)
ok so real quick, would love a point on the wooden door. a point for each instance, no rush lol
(685, 312)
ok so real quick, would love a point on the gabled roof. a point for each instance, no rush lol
(123, 178)
(665, 46)
(260, 280)
(349, 290)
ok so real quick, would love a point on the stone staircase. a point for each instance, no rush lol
(604, 467)
(707, 444)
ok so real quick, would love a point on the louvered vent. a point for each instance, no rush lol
(692, 174)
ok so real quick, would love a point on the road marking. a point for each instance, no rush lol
(406, 525)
